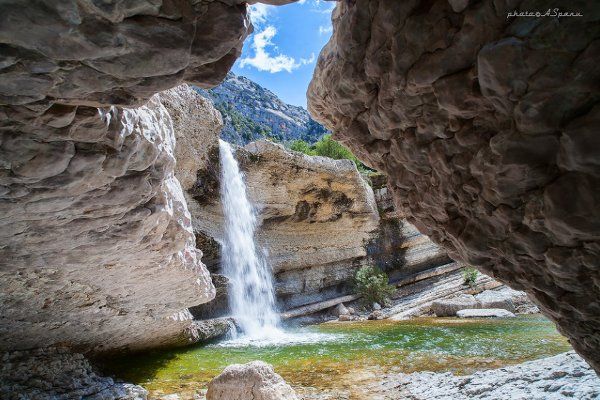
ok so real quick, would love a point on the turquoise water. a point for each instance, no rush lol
(422, 344)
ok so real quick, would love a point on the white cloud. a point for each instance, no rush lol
(325, 29)
(323, 7)
(259, 13)
(264, 61)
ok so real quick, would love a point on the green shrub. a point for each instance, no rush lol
(301, 146)
(470, 276)
(327, 147)
(372, 284)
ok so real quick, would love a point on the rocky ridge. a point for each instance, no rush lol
(485, 125)
(251, 113)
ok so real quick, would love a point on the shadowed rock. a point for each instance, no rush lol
(485, 125)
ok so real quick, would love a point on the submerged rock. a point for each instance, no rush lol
(484, 313)
(255, 380)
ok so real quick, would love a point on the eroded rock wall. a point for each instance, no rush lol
(97, 246)
(486, 127)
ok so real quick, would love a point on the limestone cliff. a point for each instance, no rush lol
(486, 125)
(97, 245)
(316, 214)
(319, 222)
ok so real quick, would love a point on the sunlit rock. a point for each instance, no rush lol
(255, 380)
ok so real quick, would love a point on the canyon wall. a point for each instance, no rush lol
(320, 221)
(97, 246)
(485, 125)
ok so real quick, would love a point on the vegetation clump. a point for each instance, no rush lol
(372, 284)
(327, 147)
(470, 276)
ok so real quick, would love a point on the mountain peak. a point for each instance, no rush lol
(251, 112)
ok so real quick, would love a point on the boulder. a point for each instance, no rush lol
(376, 306)
(496, 299)
(255, 380)
(484, 313)
(209, 329)
(376, 315)
(449, 307)
(341, 309)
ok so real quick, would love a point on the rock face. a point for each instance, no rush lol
(97, 245)
(54, 373)
(316, 215)
(252, 112)
(117, 53)
(565, 376)
(486, 126)
(255, 380)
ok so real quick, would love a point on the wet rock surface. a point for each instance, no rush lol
(216, 328)
(485, 126)
(55, 373)
(255, 380)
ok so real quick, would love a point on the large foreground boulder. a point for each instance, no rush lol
(255, 380)
(487, 127)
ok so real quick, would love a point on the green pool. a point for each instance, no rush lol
(423, 344)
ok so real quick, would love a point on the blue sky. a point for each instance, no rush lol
(281, 53)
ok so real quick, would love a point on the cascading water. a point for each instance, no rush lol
(252, 298)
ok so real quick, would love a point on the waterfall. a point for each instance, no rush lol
(252, 298)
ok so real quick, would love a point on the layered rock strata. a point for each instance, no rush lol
(485, 124)
(319, 222)
(315, 216)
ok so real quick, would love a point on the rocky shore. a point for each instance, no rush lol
(565, 376)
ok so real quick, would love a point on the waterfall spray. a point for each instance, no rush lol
(252, 298)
